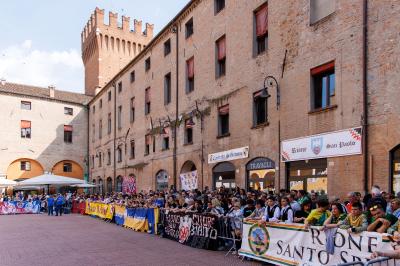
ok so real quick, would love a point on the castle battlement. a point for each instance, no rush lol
(96, 24)
(107, 48)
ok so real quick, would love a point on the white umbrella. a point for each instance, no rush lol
(86, 185)
(7, 182)
(48, 179)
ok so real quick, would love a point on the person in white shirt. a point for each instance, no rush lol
(272, 211)
(287, 213)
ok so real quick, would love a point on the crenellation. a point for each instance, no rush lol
(99, 17)
(138, 26)
(125, 23)
(149, 30)
(113, 19)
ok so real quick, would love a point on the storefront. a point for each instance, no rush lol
(395, 169)
(306, 160)
(224, 172)
(260, 174)
(161, 180)
(224, 175)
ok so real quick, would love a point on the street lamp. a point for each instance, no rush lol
(271, 82)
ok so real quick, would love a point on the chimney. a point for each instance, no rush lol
(3, 81)
(52, 90)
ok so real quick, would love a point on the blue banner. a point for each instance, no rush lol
(19, 207)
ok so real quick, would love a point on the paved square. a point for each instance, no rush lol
(82, 240)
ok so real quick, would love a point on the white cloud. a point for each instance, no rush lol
(23, 64)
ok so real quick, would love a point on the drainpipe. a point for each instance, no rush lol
(115, 130)
(365, 93)
(175, 30)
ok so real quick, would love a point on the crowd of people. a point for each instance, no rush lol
(375, 212)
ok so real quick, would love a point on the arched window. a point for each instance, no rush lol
(118, 184)
(100, 187)
(161, 180)
(109, 185)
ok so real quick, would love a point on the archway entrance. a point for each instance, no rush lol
(188, 177)
(260, 174)
(161, 180)
(224, 175)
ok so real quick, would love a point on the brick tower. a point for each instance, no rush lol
(106, 49)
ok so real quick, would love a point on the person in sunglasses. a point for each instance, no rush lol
(381, 221)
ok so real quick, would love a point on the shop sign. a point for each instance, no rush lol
(230, 155)
(260, 163)
(332, 144)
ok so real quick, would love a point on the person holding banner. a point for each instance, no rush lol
(272, 211)
(286, 214)
(356, 221)
(336, 216)
(258, 213)
(380, 220)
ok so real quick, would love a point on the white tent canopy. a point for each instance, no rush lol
(48, 179)
(7, 182)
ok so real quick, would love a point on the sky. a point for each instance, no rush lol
(40, 40)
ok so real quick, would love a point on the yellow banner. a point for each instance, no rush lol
(101, 210)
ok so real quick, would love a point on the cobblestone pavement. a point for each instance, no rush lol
(81, 240)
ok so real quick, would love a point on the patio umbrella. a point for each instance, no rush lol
(48, 179)
(86, 185)
(7, 182)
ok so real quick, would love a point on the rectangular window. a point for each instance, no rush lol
(26, 105)
(108, 157)
(132, 111)
(154, 144)
(68, 133)
(189, 28)
(165, 143)
(25, 166)
(189, 131)
(221, 56)
(261, 29)
(119, 154)
(320, 9)
(260, 114)
(132, 76)
(94, 109)
(147, 102)
(119, 117)
(147, 145)
(190, 75)
(93, 132)
(167, 47)
(323, 82)
(120, 87)
(26, 129)
(219, 5)
(132, 149)
(101, 103)
(167, 89)
(147, 64)
(92, 161)
(223, 121)
(109, 95)
(68, 111)
(109, 123)
(67, 167)
(100, 159)
(100, 129)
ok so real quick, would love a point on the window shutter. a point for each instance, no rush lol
(147, 95)
(323, 68)
(262, 21)
(224, 110)
(222, 48)
(25, 124)
(68, 128)
(190, 68)
(148, 139)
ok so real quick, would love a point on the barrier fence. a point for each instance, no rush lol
(20, 207)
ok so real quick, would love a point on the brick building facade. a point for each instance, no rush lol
(193, 99)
